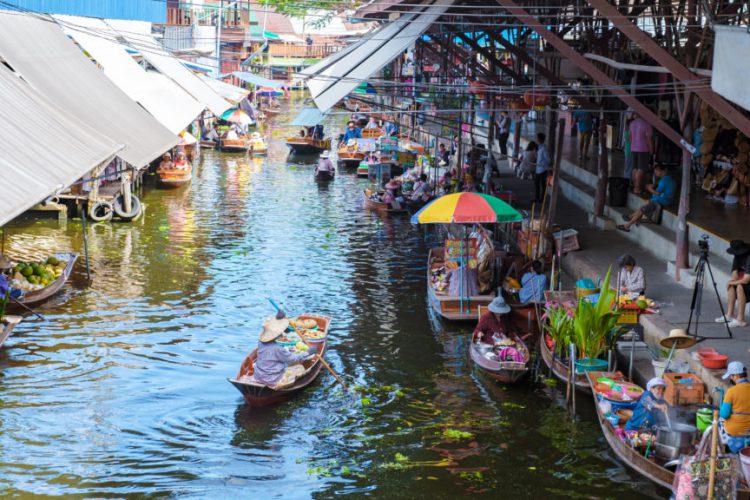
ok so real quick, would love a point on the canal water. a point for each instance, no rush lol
(121, 391)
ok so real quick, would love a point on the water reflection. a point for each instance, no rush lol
(121, 390)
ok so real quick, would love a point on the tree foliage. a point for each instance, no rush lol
(301, 8)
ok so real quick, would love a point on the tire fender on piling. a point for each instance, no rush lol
(101, 211)
(135, 207)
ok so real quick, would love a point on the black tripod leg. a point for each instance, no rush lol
(716, 290)
(698, 284)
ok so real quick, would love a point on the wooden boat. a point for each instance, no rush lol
(175, 177)
(449, 306)
(208, 144)
(653, 469)
(307, 145)
(561, 370)
(363, 170)
(632, 458)
(380, 207)
(7, 324)
(258, 394)
(324, 175)
(258, 146)
(350, 158)
(240, 145)
(38, 296)
(507, 372)
(272, 111)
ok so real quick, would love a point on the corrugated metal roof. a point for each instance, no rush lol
(231, 93)
(154, 11)
(336, 80)
(166, 101)
(37, 49)
(43, 149)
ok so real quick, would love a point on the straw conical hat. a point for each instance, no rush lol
(273, 328)
(679, 338)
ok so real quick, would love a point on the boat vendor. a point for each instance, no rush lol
(352, 132)
(390, 129)
(272, 360)
(734, 413)
(632, 280)
(652, 401)
(212, 134)
(324, 163)
(492, 325)
(372, 124)
(533, 284)
(181, 161)
(166, 160)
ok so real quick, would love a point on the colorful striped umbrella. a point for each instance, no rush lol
(466, 208)
(238, 116)
(268, 92)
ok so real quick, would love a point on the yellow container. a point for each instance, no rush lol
(585, 292)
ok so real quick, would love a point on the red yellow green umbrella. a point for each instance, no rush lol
(466, 208)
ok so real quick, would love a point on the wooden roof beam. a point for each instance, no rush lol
(518, 79)
(692, 82)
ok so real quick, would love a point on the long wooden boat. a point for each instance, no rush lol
(208, 144)
(324, 175)
(175, 177)
(450, 306)
(654, 469)
(272, 111)
(258, 146)
(380, 207)
(258, 394)
(350, 159)
(560, 370)
(308, 145)
(235, 145)
(506, 372)
(38, 296)
(7, 324)
(632, 458)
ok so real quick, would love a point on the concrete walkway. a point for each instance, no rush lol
(601, 249)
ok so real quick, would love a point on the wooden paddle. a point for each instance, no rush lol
(320, 358)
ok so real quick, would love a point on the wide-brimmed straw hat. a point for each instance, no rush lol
(351, 142)
(273, 328)
(677, 338)
(325, 154)
(738, 247)
(498, 306)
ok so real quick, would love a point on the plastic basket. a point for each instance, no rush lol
(627, 316)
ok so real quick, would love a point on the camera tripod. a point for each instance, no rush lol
(696, 302)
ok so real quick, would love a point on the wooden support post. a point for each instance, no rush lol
(714, 449)
(556, 174)
(682, 232)
(516, 140)
(602, 170)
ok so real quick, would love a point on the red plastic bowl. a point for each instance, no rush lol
(715, 361)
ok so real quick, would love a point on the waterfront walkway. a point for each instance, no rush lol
(601, 249)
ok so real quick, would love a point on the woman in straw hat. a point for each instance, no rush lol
(324, 163)
(738, 286)
(492, 324)
(273, 359)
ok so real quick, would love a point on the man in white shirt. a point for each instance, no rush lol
(543, 161)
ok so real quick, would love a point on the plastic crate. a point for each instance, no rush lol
(628, 316)
(683, 389)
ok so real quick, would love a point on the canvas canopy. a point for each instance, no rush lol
(167, 102)
(43, 149)
(138, 35)
(308, 117)
(258, 80)
(231, 93)
(36, 48)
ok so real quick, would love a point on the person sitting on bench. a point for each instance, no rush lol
(661, 197)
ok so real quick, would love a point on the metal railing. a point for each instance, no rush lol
(317, 51)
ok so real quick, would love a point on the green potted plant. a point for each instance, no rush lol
(591, 325)
(559, 325)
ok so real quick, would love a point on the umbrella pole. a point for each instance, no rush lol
(669, 358)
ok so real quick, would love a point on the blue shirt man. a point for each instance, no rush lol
(665, 189)
(584, 120)
(533, 284)
(352, 132)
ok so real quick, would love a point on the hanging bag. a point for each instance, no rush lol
(691, 478)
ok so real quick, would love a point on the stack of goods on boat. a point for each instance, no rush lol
(31, 276)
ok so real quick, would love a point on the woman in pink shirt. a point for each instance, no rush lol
(641, 149)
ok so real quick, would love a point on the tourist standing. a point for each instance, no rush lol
(503, 131)
(585, 123)
(641, 147)
(543, 161)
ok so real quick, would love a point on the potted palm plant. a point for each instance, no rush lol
(591, 325)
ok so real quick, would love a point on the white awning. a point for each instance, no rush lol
(258, 80)
(334, 82)
(43, 148)
(36, 48)
(231, 93)
(138, 35)
(166, 101)
(730, 77)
